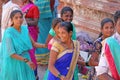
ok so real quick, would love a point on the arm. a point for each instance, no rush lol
(82, 62)
(105, 76)
(37, 45)
(48, 38)
(94, 59)
(102, 69)
(51, 67)
(50, 35)
(18, 57)
(32, 22)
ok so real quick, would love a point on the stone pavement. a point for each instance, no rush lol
(41, 71)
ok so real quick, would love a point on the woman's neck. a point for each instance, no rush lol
(17, 28)
(103, 37)
(69, 42)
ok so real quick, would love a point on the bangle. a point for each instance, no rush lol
(86, 63)
(26, 60)
(59, 75)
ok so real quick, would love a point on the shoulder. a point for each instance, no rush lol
(75, 42)
(9, 32)
(57, 47)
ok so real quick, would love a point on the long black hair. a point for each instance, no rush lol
(103, 22)
(14, 12)
(67, 25)
(65, 9)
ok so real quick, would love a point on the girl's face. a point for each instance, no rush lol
(108, 29)
(64, 35)
(56, 29)
(17, 19)
(117, 25)
(67, 16)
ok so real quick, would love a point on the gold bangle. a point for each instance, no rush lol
(59, 75)
(26, 60)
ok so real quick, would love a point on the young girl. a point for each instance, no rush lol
(55, 26)
(16, 43)
(107, 30)
(66, 15)
(63, 55)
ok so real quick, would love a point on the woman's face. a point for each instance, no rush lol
(67, 16)
(108, 29)
(17, 19)
(56, 29)
(64, 35)
(117, 25)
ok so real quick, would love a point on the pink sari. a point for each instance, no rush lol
(33, 31)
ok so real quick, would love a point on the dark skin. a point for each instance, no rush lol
(30, 21)
(67, 16)
(105, 76)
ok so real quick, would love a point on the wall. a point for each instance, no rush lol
(89, 13)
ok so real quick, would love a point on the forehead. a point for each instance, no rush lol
(67, 12)
(17, 14)
(62, 29)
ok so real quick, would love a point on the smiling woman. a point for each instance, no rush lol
(63, 55)
(14, 52)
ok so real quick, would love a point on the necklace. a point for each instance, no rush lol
(70, 46)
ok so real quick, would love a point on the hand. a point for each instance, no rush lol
(44, 45)
(32, 65)
(62, 77)
(81, 58)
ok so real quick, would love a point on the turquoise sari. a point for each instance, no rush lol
(19, 43)
(44, 25)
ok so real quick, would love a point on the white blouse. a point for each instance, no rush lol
(103, 66)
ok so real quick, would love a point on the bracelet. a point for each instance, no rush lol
(26, 60)
(86, 63)
(59, 75)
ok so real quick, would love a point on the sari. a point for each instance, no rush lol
(19, 43)
(66, 61)
(32, 12)
(112, 49)
(44, 25)
(7, 9)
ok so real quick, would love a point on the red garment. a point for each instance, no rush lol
(33, 12)
(52, 2)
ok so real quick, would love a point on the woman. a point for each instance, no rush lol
(107, 30)
(55, 25)
(44, 25)
(63, 55)
(31, 15)
(109, 64)
(66, 15)
(16, 43)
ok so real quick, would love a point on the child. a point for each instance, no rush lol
(55, 26)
